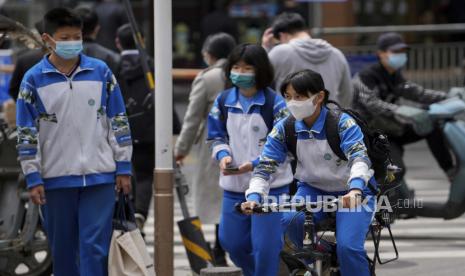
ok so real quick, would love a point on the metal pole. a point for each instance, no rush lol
(163, 172)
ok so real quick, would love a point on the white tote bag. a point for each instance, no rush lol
(128, 253)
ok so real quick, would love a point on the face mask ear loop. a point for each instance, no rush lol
(48, 45)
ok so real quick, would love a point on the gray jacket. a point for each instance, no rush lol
(207, 193)
(205, 88)
(317, 55)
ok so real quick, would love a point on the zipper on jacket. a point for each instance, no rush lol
(70, 81)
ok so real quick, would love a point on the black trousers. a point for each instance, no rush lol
(436, 143)
(143, 161)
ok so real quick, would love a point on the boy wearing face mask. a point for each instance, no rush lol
(238, 123)
(319, 171)
(379, 90)
(74, 145)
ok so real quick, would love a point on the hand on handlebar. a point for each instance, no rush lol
(352, 199)
(248, 206)
(458, 92)
(418, 118)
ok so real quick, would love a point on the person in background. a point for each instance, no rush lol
(112, 15)
(379, 90)
(90, 30)
(219, 21)
(24, 62)
(298, 51)
(74, 146)
(139, 106)
(238, 123)
(205, 89)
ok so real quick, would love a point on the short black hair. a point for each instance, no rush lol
(219, 45)
(288, 22)
(39, 25)
(256, 56)
(89, 20)
(305, 83)
(125, 37)
(60, 17)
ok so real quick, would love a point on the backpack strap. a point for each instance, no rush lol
(266, 111)
(221, 105)
(332, 132)
(290, 135)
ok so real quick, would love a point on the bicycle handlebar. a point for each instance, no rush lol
(274, 207)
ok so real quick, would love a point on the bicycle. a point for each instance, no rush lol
(318, 255)
(23, 244)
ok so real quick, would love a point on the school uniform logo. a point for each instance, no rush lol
(327, 156)
(91, 102)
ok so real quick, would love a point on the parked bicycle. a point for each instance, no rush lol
(23, 243)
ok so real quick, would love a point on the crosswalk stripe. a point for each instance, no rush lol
(425, 254)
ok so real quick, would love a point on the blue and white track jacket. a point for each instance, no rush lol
(242, 137)
(317, 165)
(72, 131)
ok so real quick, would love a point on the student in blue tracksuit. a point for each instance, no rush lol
(74, 145)
(238, 124)
(319, 171)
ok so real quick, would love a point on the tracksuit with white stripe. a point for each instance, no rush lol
(253, 242)
(320, 172)
(74, 138)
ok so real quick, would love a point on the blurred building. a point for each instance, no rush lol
(246, 20)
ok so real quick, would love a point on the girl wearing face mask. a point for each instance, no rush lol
(319, 171)
(238, 124)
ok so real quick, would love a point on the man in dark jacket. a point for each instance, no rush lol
(112, 15)
(139, 106)
(24, 62)
(379, 90)
(90, 30)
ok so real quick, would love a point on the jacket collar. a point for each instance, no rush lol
(84, 64)
(317, 127)
(233, 98)
(219, 63)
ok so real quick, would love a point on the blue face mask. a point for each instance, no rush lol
(68, 49)
(397, 61)
(242, 80)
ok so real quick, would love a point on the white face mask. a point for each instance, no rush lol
(302, 109)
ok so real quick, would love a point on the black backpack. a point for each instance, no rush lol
(376, 142)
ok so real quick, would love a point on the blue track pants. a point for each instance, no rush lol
(78, 223)
(352, 228)
(253, 242)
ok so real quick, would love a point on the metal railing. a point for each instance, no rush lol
(426, 28)
(435, 66)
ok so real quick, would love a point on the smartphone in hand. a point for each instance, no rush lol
(231, 168)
